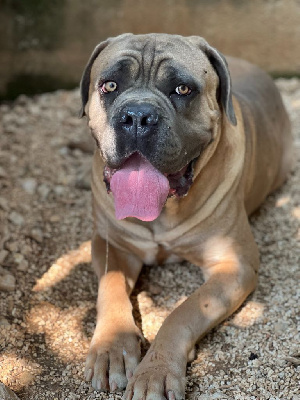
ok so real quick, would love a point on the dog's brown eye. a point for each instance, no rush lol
(108, 87)
(183, 90)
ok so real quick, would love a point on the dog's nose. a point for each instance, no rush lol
(139, 119)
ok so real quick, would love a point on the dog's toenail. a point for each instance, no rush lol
(98, 384)
(171, 395)
(89, 374)
(129, 374)
(113, 386)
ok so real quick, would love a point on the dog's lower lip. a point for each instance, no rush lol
(179, 181)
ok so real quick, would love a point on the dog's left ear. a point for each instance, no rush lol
(219, 63)
(85, 80)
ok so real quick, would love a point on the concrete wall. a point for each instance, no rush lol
(44, 44)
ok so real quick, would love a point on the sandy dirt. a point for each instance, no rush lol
(48, 290)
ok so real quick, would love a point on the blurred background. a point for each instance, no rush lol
(44, 45)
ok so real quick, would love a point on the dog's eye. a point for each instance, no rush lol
(108, 87)
(183, 90)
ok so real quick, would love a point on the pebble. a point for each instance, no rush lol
(155, 288)
(6, 393)
(84, 181)
(29, 185)
(59, 190)
(54, 218)
(7, 282)
(4, 204)
(63, 151)
(3, 173)
(13, 247)
(43, 191)
(22, 99)
(18, 258)
(3, 322)
(3, 254)
(280, 327)
(37, 235)
(23, 266)
(34, 109)
(16, 218)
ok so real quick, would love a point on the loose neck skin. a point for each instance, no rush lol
(211, 182)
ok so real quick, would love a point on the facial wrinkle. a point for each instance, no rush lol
(148, 59)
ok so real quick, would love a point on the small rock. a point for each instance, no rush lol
(34, 109)
(4, 204)
(26, 250)
(294, 359)
(253, 356)
(29, 185)
(84, 182)
(22, 99)
(43, 190)
(16, 218)
(4, 108)
(54, 218)
(59, 190)
(23, 266)
(7, 283)
(8, 119)
(218, 395)
(3, 173)
(13, 247)
(63, 151)
(280, 327)
(6, 393)
(3, 254)
(18, 258)
(37, 235)
(4, 322)
(155, 288)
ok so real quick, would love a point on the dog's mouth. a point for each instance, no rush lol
(140, 190)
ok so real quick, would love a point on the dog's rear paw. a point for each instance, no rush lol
(111, 362)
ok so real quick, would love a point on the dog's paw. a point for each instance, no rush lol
(111, 362)
(156, 378)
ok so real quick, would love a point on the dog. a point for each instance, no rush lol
(189, 144)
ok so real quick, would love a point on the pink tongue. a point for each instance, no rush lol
(139, 189)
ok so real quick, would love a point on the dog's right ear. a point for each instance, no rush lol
(85, 80)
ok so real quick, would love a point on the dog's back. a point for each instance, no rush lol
(268, 133)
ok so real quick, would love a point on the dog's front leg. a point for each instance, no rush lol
(115, 347)
(230, 278)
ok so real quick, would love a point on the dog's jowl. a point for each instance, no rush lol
(188, 145)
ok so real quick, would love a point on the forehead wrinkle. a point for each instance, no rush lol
(160, 62)
(120, 67)
(148, 59)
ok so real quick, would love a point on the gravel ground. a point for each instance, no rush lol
(48, 290)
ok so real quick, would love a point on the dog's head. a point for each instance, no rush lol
(154, 103)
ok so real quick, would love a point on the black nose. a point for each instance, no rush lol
(139, 119)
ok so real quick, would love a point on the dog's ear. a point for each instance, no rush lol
(85, 80)
(219, 63)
